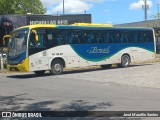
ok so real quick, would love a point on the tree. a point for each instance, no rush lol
(21, 7)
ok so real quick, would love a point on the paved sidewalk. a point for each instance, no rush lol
(157, 58)
(3, 71)
(157, 55)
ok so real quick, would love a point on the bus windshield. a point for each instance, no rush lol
(18, 42)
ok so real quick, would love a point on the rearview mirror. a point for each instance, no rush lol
(6, 40)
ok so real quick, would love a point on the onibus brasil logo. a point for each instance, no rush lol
(94, 50)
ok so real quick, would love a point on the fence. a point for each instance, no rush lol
(3, 61)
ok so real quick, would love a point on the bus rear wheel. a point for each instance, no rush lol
(41, 72)
(56, 67)
(106, 66)
(125, 61)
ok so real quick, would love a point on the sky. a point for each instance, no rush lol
(105, 11)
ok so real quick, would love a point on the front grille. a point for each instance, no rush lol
(13, 62)
(14, 69)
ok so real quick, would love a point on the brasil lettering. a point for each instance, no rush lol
(21, 114)
(94, 50)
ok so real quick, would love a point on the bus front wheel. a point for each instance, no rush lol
(125, 61)
(56, 67)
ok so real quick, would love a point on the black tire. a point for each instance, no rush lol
(56, 67)
(41, 72)
(106, 66)
(125, 61)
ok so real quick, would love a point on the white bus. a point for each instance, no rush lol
(41, 48)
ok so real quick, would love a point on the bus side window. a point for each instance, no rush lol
(71, 35)
(103, 37)
(83, 36)
(126, 38)
(117, 37)
(32, 42)
(142, 37)
(50, 39)
(130, 37)
(111, 37)
(139, 38)
(150, 36)
(58, 38)
(41, 42)
(89, 37)
(64, 37)
(107, 37)
(135, 38)
(99, 38)
(94, 37)
(146, 37)
(76, 39)
(121, 38)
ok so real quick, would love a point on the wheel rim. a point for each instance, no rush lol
(57, 68)
(125, 61)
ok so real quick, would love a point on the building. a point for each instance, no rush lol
(11, 22)
(148, 23)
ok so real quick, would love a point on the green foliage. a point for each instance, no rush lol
(21, 7)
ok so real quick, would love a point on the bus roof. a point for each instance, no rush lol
(81, 25)
(38, 26)
(92, 25)
(76, 24)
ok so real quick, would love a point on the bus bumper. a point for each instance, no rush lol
(23, 67)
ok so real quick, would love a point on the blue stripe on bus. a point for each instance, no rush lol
(17, 59)
(99, 52)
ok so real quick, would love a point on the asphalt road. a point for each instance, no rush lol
(117, 89)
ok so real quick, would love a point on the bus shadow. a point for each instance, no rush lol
(70, 71)
(75, 71)
(47, 74)
(27, 76)
(137, 65)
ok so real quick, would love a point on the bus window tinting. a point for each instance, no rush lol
(84, 36)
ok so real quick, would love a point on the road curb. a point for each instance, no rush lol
(3, 71)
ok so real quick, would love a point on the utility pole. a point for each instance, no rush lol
(158, 10)
(63, 7)
(145, 7)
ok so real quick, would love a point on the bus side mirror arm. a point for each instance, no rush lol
(36, 35)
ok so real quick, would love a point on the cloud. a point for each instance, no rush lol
(106, 10)
(49, 3)
(138, 5)
(109, 22)
(71, 6)
(96, 1)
